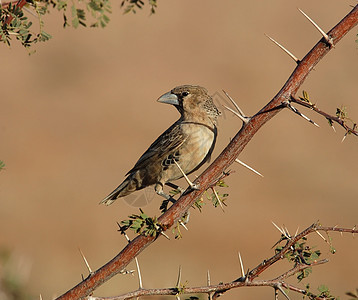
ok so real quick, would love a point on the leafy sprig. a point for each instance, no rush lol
(88, 13)
(141, 224)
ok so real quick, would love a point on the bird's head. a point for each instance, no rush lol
(193, 102)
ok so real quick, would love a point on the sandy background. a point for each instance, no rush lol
(76, 116)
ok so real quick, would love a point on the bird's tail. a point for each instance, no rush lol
(120, 191)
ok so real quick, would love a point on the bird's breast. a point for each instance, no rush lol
(198, 142)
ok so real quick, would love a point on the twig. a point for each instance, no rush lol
(326, 115)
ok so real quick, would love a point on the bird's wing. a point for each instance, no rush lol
(164, 145)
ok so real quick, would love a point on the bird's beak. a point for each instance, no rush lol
(169, 98)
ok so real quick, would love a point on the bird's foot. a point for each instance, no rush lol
(176, 187)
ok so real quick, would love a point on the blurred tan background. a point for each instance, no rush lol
(77, 115)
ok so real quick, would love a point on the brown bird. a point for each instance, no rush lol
(182, 149)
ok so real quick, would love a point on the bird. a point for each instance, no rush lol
(180, 150)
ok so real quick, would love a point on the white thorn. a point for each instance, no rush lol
(288, 235)
(192, 185)
(334, 129)
(218, 199)
(179, 278)
(296, 111)
(247, 166)
(243, 119)
(139, 274)
(278, 228)
(241, 266)
(321, 236)
(344, 137)
(208, 281)
(284, 49)
(235, 104)
(182, 224)
(325, 35)
(296, 231)
(86, 262)
(127, 237)
(283, 292)
(163, 234)
(40, 297)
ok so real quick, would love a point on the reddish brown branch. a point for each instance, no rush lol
(222, 162)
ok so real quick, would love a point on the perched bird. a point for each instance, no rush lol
(183, 148)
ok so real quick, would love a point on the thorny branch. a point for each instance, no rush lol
(248, 280)
(338, 119)
(221, 163)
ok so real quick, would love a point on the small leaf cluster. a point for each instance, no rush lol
(2, 165)
(324, 293)
(141, 224)
(222, 197)
(342, 114)
(133, 5)
(20, 26)
(87, 13)
(98, 9)
(306, 98)
(300, 253)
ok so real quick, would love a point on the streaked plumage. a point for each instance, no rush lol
(189, 141)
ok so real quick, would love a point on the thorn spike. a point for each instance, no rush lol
(284, 49)
(236, 114)
(217, 198)
(283, 292)
(208, 280)
(241, 266)
(139, 274)
(288, 235)
(163, 234)
(321, 236)
(325, 35)
(179, 278)
(278, 228)
(86, 262)
(234, 103)
(182, 224)
(247, 166)
(297, 231)
(192, 185)
(296, 111)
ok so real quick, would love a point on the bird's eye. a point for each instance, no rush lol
(184, 94)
